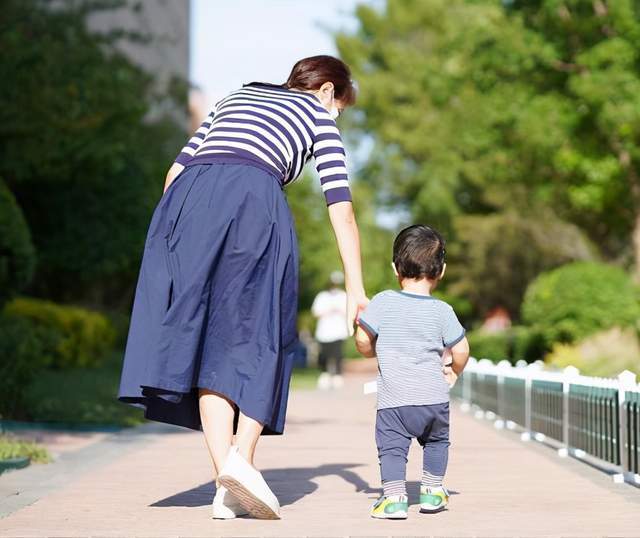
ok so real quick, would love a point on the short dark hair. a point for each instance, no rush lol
(418, 252)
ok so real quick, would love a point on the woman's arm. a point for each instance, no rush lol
(187, 152)
(344, 225)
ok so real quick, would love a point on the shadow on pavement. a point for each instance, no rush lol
(289, 485)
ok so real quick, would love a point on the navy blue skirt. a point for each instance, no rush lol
(216, 299)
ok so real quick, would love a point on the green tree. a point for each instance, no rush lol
(481, 106)
(17, 255)
(84, 164)
(496, 256)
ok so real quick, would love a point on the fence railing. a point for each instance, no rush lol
(591, 418)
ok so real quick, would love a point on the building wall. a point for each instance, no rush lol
(167, 54)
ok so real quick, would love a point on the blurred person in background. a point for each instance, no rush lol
(330, 308)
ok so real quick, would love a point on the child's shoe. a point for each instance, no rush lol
(433, 500)
(391, 507)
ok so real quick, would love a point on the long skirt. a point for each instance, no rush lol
(216, 299)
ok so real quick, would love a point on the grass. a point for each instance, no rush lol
(87, 396)
(81, 396)
(304, 378)
(11, 447)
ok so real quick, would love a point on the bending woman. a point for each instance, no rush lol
(213, 325)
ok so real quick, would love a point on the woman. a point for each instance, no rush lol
(214, 315)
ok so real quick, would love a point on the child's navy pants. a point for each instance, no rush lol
(397, 426)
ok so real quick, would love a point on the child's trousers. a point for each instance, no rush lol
(397, 426)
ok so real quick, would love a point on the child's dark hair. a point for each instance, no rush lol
(418, 252)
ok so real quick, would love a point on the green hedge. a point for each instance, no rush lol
(17, 255)
(579, 299)
(514, 344)
(76, 337)
(493, 346)
(23, 352)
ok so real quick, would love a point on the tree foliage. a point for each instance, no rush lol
(77, 148)
(496, 256)
(17, 255)
(479, 106)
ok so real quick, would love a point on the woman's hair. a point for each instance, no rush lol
(418, 252)
(311, 73)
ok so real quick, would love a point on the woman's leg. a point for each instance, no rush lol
(247, 436)
(216, 414)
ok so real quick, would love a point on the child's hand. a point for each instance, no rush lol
(450, 376)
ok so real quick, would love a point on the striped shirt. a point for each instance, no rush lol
(276, 129)
(412, 333)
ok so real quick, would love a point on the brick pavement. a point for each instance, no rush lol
(324, 471)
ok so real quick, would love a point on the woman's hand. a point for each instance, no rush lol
(355, 303)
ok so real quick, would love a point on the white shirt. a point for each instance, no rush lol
(330, 307)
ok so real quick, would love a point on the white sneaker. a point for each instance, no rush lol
(248, 486)
(337, 381)
(225, 505)
(324, 381)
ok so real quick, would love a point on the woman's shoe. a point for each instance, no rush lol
(226, 505)
(248, 486)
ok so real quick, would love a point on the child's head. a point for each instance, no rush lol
(418, 253)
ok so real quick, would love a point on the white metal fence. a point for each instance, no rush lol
(591, 418)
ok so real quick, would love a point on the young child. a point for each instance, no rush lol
(411, 332)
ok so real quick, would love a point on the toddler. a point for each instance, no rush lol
(411, 332)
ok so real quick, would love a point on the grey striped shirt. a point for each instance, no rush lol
(412, 332)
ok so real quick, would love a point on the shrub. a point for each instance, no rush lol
(529, 344)
(23, 352)
(493, 346)
(605, 353)
(514, 344)
(17, 255)
(579, 299)
(80, 337)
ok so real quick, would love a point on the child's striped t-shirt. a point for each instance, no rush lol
(277, 129)
(412, 333)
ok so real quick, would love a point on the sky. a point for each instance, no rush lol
(239, 41)
(246, 40)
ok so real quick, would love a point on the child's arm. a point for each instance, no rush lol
(365, 343)
(459, 355)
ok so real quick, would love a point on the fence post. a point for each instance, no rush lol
(569, 373)
(626, 382)
(466, 387)
(526, 434)
(501, 403)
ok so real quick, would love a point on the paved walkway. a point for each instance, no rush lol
(158, 484)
